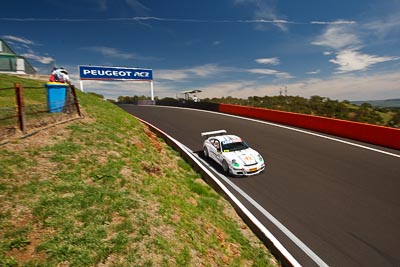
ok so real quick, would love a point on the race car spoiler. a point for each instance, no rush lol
(213, 133)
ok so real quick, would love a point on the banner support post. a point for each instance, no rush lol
(81, 84)
(152, 90)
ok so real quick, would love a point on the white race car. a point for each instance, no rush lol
(232, 153)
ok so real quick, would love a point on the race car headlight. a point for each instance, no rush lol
(260, 158)
(235, 163)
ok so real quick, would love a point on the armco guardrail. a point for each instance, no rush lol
(189, 104)
(378, 135)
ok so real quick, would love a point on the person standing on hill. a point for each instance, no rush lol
(59, 75)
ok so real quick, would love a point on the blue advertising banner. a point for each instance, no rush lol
(114, 73)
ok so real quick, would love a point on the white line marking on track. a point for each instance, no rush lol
(269, 216)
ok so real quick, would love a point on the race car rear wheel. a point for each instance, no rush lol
(205, 152)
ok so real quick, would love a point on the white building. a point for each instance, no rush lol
(10, 62)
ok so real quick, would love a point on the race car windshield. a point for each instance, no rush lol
(234, 146)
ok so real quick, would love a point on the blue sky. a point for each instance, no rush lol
(345, 50)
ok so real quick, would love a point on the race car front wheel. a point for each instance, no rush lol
(225, 167)
(205, 151)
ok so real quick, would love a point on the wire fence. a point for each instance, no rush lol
(24, 110)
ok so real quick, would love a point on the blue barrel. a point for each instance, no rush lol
(56, 95)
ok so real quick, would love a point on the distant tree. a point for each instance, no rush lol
(124, 99)
(168, 99)
(132, 99)
(395, 121)
(366, 113)
(366, 105)
(342, 110)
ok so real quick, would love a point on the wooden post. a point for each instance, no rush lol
(73, 89)
(19, 92)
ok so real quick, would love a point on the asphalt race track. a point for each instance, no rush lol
(342, 201)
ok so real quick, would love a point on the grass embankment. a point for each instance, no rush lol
(7, 96)
(104, 191)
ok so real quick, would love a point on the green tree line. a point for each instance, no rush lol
(320, 106)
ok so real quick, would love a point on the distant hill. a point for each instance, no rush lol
(381, 103)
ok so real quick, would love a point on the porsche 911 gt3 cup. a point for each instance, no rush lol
(232, 153)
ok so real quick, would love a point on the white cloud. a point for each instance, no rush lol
(24, 47)
(18, 39)
(115, 53)
(314, 72)
(241, 89)
(210, 71)
(172, 75)
(264, 15)
(382, 27)
(111, 52)
(347, 43)
(207, 70)
(278, 74)
(41, 59)
(338, 37)
(349, 60)
(272, 60)
(350, 87)
(265, 11)
(337, 22)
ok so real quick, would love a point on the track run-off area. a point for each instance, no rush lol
(333, 201)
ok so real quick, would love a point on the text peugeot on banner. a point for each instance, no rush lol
(114, 73)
